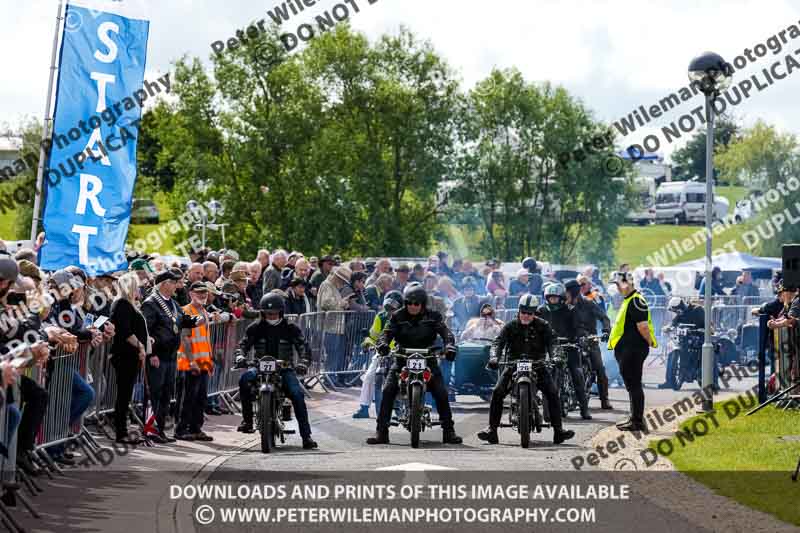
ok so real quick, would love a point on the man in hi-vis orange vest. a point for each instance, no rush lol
(194, 366)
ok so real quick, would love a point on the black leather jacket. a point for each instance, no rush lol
(415, 331)
(587, 313)
(693, 314)
(534, 340)
(275, 341)
(562, 320)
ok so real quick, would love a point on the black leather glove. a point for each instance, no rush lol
(604, 336)
(493, 364)
(450, 353)
(383, 349)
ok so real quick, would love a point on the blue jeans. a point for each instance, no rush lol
(82, 398)
(291, 389)
(13, 417)
(335, 346)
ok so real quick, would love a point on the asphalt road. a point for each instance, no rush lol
(342, 438)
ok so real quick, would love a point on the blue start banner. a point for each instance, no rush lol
(87, 210)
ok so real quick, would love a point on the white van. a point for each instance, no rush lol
(681, 202)
(645, 188)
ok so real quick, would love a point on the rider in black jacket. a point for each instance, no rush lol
(564, 323)
(587, 314)
(684, 314)
(274, 336)
(416, 327)
(526, 334)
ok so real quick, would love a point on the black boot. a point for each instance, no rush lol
(632, 425)
(605, 404)
(585, 412)
(309, 444)
(246, 427)
(449, 437)
(489, 435)
(560, 435)
(381, 437)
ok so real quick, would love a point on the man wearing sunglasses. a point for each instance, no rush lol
(530, 335)
(416, 327)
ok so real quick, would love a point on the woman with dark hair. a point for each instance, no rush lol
(128, 350)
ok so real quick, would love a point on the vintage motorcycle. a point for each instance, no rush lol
(415, 373)
(525, 414)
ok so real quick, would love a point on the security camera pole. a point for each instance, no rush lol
(713, 74)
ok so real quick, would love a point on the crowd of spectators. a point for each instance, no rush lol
(42, 313)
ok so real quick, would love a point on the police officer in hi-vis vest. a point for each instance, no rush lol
(631, 339)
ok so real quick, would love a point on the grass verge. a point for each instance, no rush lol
(747, 459)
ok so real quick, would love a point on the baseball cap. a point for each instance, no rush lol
(212, 288)
(403, 267)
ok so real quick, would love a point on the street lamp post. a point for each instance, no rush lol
(207, 222)
(712, 74)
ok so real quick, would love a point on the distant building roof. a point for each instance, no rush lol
(10, 144)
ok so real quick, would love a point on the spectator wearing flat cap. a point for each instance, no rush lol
(297, 301)
(165, 319)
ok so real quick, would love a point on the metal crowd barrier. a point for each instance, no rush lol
(343, 356)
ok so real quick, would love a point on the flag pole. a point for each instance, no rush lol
(48, 124)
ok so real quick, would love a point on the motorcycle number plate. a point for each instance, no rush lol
(523, 367)
(266, 366)
(416, 364)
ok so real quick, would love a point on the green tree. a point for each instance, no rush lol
(512, 133)
(690, 160)
(763, 158)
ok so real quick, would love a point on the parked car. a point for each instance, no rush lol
(144, 212)
(743, 211)
(682, 202)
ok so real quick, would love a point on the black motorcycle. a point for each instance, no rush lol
(525, 415)
(686, 349)
(273, 408)
(561, 376)
(415, 373)
(587, 344)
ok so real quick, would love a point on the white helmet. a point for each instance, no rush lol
(675, 304)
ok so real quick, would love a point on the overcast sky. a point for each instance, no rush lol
(614, 55)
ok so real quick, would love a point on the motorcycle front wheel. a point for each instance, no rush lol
(524, 414)
(267, 426)
(415, 414)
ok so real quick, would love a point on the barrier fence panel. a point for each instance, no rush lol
(61, 368)
(727, 317)
(344, 331)
(312, 324)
